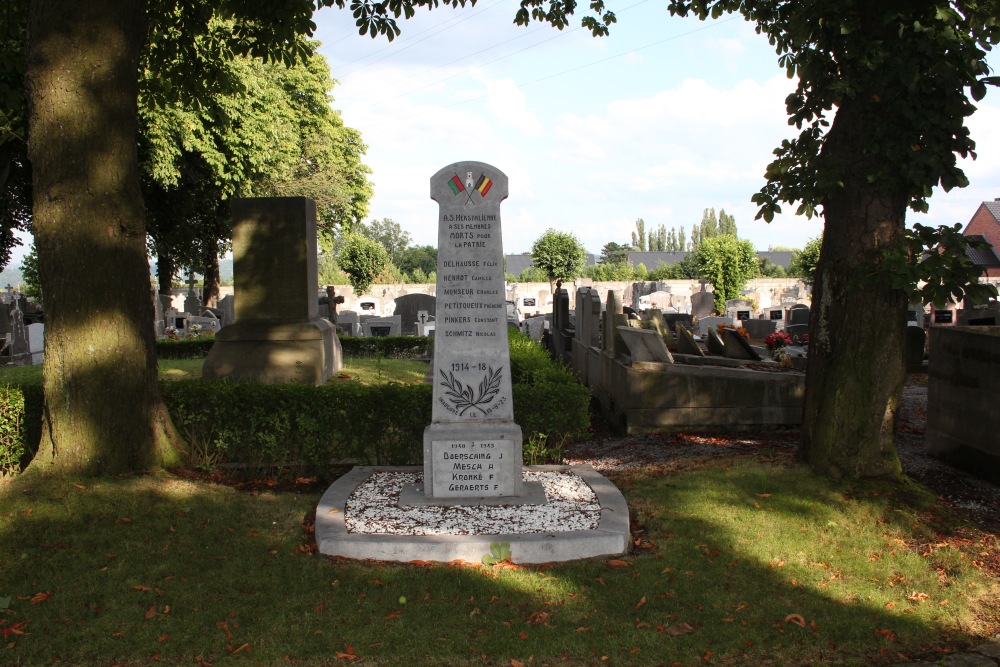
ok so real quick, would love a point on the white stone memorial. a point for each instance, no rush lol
(472, 448)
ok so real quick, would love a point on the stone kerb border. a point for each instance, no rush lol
(610, 538)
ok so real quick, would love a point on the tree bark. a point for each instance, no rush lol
(856, 372)
(103, 410)
(210, 290)
(166, 267)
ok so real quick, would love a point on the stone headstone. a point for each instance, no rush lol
(349, 323)
(702, 303)
(5, 311)
(278, 335)
(645, 345)
(192, 304)
(714, 343)
(759, 329)
(738, 347)
(36, 341)
(661, 300)
(707, 324)
(534, 326)
(227, 305)
(611, 337)
(798, 314)
(472, 448)
(798, 332)
(381, 326)
(672, 319)
(944, 317)
(19, 349)
(686, 344)
(409, 306)
(776, 315)
(653, 319)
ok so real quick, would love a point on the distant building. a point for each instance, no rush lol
(653, 259)
(515, 264)
(985, 225)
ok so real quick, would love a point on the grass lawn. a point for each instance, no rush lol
(364, 370)
(743, 562)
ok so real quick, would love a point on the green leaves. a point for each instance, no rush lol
(499, 552)
(362, 259)
(559, 254)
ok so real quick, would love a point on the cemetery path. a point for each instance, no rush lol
(975, 498)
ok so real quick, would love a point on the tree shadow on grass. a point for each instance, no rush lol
(132, 568)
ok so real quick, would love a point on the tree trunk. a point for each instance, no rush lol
(210, 291)
(103, 410)
(166, 267)
(856, 372)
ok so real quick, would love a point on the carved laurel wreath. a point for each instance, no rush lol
(463, 398)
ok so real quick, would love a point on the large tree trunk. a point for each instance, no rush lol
(856, 372)
(103, 410)
(166, 267)
(210, 289)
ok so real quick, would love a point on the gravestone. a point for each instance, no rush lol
(612, 341)
(472, 448)
(278, 335)
(702, 303)
(534, 326)
(776, 315)
(192, 304)
(409, 306)
(381, 326)
(5, 311)
(36, 341)
(759, 329)
(686, 344)
(645, 345)
(349, 323)
(944, 317)
(20, 352)
(673, 319)
(798, 332)
(739, 309)
(798, 314)
(707, 324)
(714, 343)
(738, 347)
(915, 341)
(227, 305)
(653, 319)
(661, 300)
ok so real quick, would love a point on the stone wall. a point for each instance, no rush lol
(963, 424)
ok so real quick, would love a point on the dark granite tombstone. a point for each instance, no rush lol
(990, 321)
(913, 350)
(798, 314)
(944, 316)
(702, 303)
(407, 307)
(673, 319)
(759, 329)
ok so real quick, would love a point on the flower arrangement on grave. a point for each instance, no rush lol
(194, 329)
(171, 332)
(740, 330)
(782, 356)
(777, 341)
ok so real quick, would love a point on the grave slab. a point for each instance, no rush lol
(686, 344)
(645, 345)
(610, 538)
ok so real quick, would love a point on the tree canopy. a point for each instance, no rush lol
(559, 254)
(728, 264)
(363, 260)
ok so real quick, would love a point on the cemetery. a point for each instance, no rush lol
(450, 431)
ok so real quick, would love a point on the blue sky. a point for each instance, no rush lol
(664, 118)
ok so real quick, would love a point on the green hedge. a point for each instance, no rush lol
(262, 425)
(393, 347)
(184, 348)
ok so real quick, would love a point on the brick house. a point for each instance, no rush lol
(985, 224)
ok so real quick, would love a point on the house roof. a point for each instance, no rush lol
(994, 208)
(986, 257)
(651, 260)
(515, 264)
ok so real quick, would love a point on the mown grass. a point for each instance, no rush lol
(749, 562)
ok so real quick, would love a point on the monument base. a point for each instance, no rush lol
(473, 460)
(307, 352)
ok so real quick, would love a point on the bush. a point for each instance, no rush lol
(20, 426)
(265, 425)
(392, 347)
(183, 348)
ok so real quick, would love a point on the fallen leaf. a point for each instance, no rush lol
(162, 638)
(377, 582)
(110, 556)
(763, 495)
(394, 614)
(641, 602)
(80, 486)
(242, 647)
(890, 605)
(582, 629)
(516, 663)
(150, 613)
(917, 596)
(885, 632)
(796, 619)
(619, 563)
(124, 520)
(40, 597)
(679, 629)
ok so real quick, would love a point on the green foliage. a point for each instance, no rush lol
(614, 253)
(803, 264)
(559, 254)
(768, 269)
(728, 264)
(532, 274)
(499, 553)
(392, 237)
(20, 425)
(422, 259)
(183, 348)
(329, 271)
(639, 235)
(610, 272)
(538, 451)
(686, 269)
(29, 273)
(937, 268)
(391, 347)
(363, 260)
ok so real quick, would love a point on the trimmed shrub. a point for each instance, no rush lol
(389, 347)
(20, 426)
(183, 348)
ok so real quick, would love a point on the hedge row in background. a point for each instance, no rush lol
(391, 347)
(265, 425)
(184, 348)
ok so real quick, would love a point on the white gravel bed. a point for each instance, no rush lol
(373, 508)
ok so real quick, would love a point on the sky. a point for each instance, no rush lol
(662, 119)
